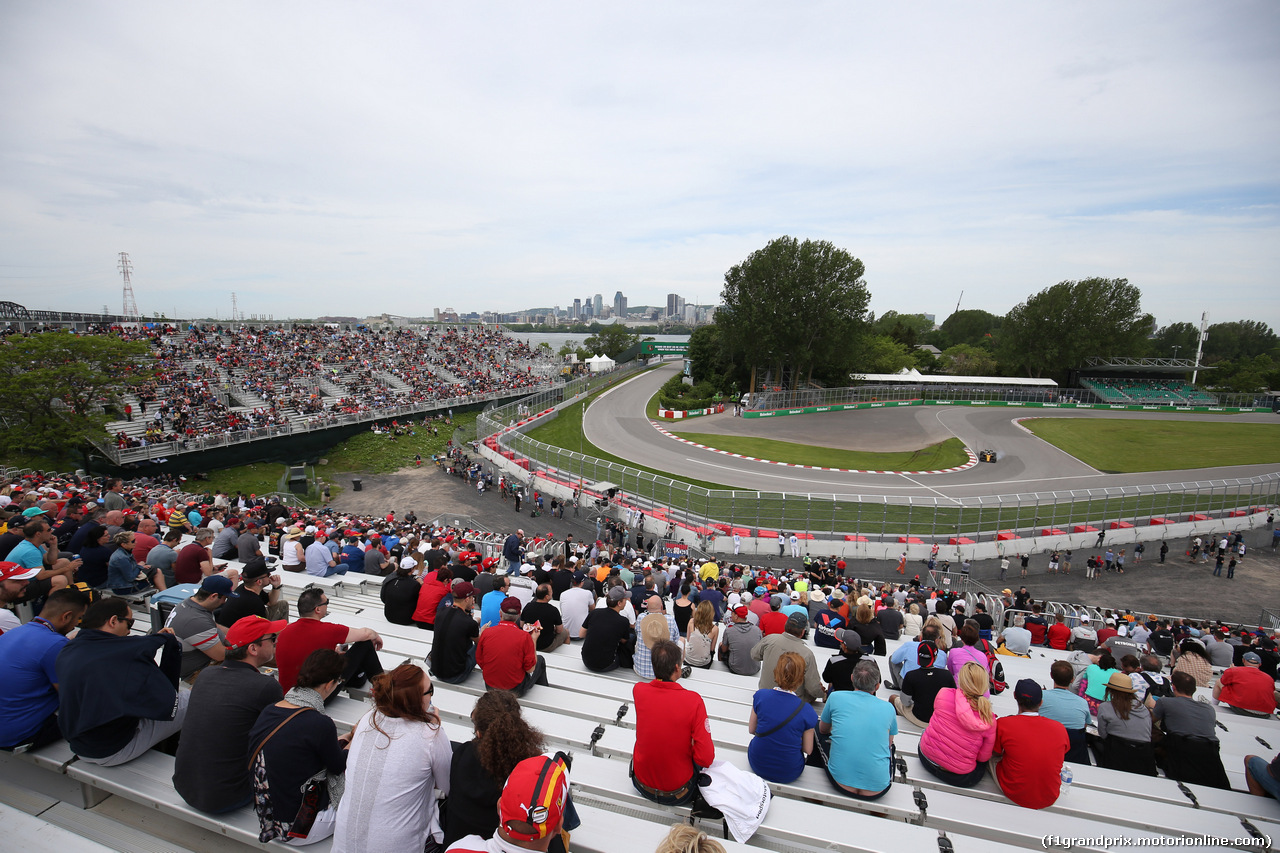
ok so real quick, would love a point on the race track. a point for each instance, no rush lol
(617, 424)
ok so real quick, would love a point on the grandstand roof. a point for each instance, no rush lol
(1142, 365)
(915, 377)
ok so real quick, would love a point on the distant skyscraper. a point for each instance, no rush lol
(597, 302)
(577, 309)
(673, 304)
(619, 305)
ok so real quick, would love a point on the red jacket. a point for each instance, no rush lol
(429, 598)
(672, 734)
(773, 622)
(1058, 635)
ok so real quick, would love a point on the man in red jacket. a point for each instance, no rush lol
(673, 734)
(1058, 634)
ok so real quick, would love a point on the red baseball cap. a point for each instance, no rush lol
(250, 629)
(510, 604)
(15, 572)
(535, 794)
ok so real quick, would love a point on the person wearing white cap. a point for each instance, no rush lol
(1083, 637)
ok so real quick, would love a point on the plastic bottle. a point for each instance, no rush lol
(1066, 777)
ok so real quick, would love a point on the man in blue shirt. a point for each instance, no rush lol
(28, 678)
(1062, 704)
(856, 736)
(491, 604)
(39, 550)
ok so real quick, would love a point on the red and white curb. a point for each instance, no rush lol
(973, 459)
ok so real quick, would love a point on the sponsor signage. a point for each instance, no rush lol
(676, 550)
(664, 348)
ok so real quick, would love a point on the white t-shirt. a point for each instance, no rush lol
(8, 620)
(575, 604)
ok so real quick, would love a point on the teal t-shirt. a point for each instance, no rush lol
(861, 726)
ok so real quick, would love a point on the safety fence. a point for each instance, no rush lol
(865, 517)
(806, 401)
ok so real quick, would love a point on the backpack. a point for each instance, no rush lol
(1158, 689)
(995, 668)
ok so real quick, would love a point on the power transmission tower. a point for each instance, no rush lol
(234, 314)
(126, 271)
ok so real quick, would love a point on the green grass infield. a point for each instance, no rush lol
(1130, 445)
(935, 457)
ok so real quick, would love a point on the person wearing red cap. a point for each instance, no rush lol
(212, 773)
(505, 652)
(533, 808)
(14, 580)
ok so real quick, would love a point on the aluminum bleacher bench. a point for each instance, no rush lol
(31, 834)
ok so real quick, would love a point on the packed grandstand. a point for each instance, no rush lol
(220, 381)
(383, 579)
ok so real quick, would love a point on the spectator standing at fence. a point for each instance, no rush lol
(116, 702)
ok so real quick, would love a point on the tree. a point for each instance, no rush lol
(972, 326)
(882, 354)
(909, 329)
(611, 340)
(53, 386)
(1240, 339)
(1179, 338)
(1056, 329)
(968, 360)
(798, 308)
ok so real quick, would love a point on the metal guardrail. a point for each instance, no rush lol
(770, 400)
(883, 516)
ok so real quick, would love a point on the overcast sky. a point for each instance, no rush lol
(355, 158)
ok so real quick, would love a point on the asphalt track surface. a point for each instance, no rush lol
(617, 423)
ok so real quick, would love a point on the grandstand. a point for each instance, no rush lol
(1159, 392)
(591, 716)
(207, 386)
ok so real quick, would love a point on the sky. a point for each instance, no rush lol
(320, 158)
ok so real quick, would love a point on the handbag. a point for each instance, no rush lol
(789, 718)
(270, 827)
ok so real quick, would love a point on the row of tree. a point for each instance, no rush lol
(795, 313)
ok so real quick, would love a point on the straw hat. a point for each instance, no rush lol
(1120, 683)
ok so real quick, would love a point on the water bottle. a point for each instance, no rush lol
(1066, 777)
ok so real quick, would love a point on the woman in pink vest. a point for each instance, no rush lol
(957, 743)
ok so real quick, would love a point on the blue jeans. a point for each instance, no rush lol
(1257, 768)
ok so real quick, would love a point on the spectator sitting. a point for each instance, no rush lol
(1057, 635)
(543, 780)
(123, 574)
(1083, 637)
(453, 650)
(967, 650)
(505, 653)
(435, 586)
(212, 774)
(783, 725)
(856, 736)
(837, 673)
(28, 674)
(116, 702)
(399, 594)
(193, 624)
(257, 595)
(608, 641)
(684, 838)
(1037, 626)
(1015, 640)
(1189, 751)
(542, 613)
(957, 743)
(775, 621)
(739, 638)
(1062, 704)
(703, 636)
(1096, 677)
(673, 736)
(481, 766)
(1124, 729)
(319, 559)
(769, 649)
(1029, 750)
(921, 686)
(654, 625)
(1247, 689)
(825, 624)
(390, 802)
(870, 634)
(1194, 660)
(904, 657)
(310, 632)
(1263, 778)
(289, 747)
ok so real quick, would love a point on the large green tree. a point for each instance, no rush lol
(797, 308)
(972, 326)
(1239, 339)
(611, 340)
(53, 386)
(1054, 330)
(1175, 338)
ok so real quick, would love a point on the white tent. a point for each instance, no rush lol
(601, 363)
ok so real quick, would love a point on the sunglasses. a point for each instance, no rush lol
(430, 690)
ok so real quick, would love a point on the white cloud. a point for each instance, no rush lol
(317, 158)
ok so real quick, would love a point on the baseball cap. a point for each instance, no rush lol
(463, 589)
(535, 795)
(250, 629)
(510, 604)
(616, 594)
(1252, 657)
(579, 577)
(15, 572)
(32, 512)
(254, 569)
(652, 593)
(741, 612)
(795, 596)
(760, 591)
(1005, 591)
(217, 584)
(1028, 692)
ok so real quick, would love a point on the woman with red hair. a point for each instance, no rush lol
(398, 755)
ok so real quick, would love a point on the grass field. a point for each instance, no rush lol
(1127, 446)
(946, 454)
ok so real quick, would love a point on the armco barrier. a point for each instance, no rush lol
(885, 404)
